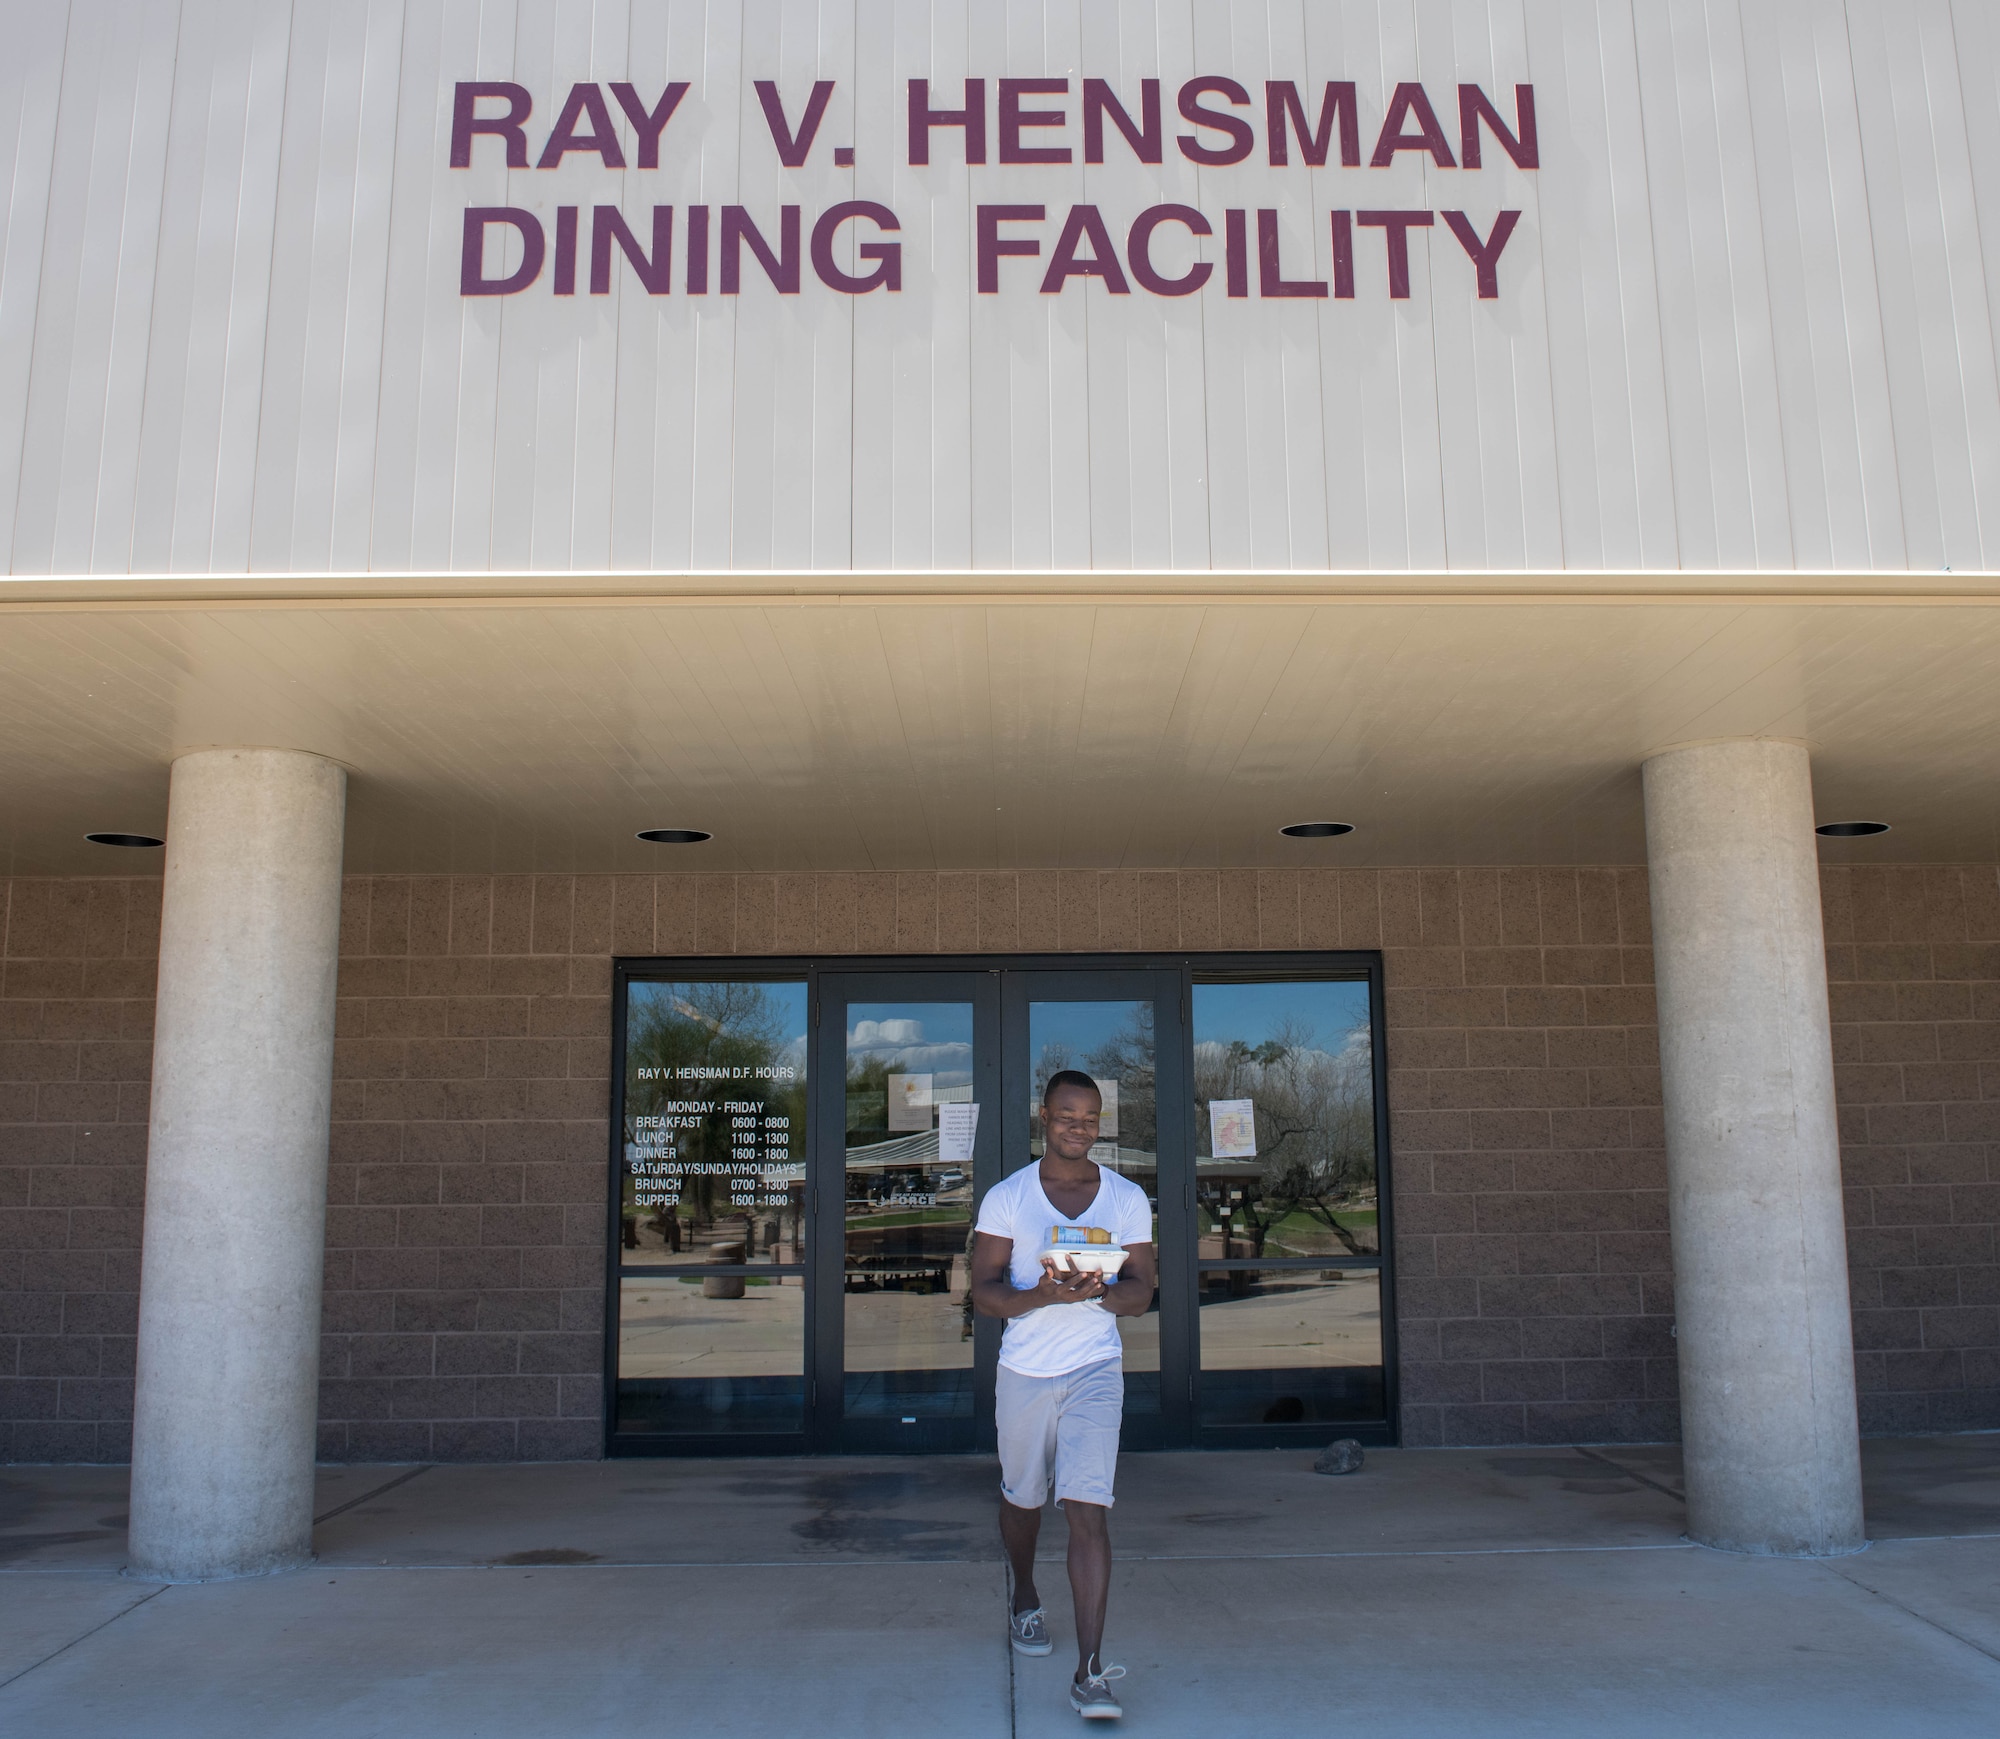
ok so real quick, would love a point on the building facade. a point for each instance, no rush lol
(964, 482)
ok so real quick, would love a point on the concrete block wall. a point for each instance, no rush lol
(464, 1314)
(1913, 963)
(464, 1307)
(76, 1043)
(1534, 1278)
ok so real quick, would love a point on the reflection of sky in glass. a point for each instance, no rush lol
(1078, 1028)
(913, 1038)
(1254, 1012)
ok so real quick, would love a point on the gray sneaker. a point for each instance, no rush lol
(1090, 1696)
(1029, 1632)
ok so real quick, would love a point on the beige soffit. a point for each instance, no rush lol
(810, 722)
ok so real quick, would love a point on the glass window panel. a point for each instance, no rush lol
(1299, 1180)
(707, 1353)
(908, 1216)
(1113, 1043)
(1291, 1346)
(715, 1123)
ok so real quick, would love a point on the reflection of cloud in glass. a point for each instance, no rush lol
(923, 1038)
(871, 1034)
(944, 1059)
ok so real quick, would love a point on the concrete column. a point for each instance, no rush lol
(1753, 1158)
(229, 1292)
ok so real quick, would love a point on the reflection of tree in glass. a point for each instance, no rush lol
(1052, 1059)
(1315, 1129)
(722, 1026)
(1127, 1058)
(867, 1097)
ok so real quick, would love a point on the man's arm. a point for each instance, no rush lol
(1131, 1294)
(995, 1294)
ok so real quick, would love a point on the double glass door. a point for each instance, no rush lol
(802, 1154)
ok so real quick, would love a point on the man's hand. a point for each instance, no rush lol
(995, 1294)
(1056, 1287)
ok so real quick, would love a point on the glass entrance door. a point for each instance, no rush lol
(908, 1142)
(1123, 1029)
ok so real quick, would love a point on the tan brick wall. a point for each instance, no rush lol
(464, 1264)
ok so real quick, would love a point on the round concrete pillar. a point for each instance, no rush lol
(1765, 1341)
(229, 1291)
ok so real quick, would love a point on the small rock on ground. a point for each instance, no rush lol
(1343, 1455)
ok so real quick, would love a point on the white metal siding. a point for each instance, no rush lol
(1747, 320)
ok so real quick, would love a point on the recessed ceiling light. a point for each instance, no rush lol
(1317, 829)
(1850, 829)
(673, 835)
(139, 841)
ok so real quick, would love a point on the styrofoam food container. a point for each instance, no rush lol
(1107, 1259)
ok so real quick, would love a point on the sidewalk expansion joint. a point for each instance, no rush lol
(1922, 1618)
(85, 1636)
(1673, 1492)
(342, 1509)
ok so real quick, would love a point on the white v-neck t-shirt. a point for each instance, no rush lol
(1060, 1338)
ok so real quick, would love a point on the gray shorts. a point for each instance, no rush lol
(1066, 1426)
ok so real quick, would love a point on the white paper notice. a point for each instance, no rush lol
(1232, 1125)
(1107, 1119)
(957, 1126)
(909, 1102)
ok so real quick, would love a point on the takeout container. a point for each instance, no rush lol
(1069, 1259)
(1081, 1250)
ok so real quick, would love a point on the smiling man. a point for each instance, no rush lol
(1061, 1391)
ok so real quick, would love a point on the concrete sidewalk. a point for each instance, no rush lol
(1475, 1591)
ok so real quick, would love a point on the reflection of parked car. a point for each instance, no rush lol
(896, 1274)
(921, 1242)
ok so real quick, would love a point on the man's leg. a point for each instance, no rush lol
(1086, 1468)
(1089, 1576)
(1019, 1530)
(1024, 1415)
